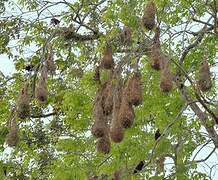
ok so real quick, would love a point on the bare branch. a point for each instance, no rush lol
(43, 115)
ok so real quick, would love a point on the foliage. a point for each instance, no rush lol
(55, 141)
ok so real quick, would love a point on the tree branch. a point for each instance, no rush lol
(200, 36)
(43, 115)
(202, 160)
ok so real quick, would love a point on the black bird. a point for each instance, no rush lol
(139, 167)
(157, 134)
(29, 67)
(55, 21)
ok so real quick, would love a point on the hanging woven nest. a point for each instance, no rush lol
(13, 138)
(23, 103)
(108, 98)
(100, 126)
(148, 19)
(204, 82)
(166, 79)
(116, 129)
(103, 144)
(126, 113)
(126, 36)
(133, 90)
(50, 61)
(156, 56)
(41, 87)
(107, 60)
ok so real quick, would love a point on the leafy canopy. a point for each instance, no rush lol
(55, 141)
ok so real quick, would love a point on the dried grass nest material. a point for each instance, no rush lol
(41, 87)
(117, 132)
(156, 56)
(23, 103)
(126, 35)
(13, 138)
(166, 79)
(107, 60)
(50, 61)
(99, 128)
(108, 98)
(96, 76)
(104, 144)
(116, 129)
(133, 92)
(204, 82)
(126, 114)
(41, 91)
(148, 19)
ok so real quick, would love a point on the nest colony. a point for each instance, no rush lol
(23, 106)
(157, 58)
(113, 108)
(159, 61)
(114, 103)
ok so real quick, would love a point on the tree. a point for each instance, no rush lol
(57, 48)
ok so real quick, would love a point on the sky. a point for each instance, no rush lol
(6, 65)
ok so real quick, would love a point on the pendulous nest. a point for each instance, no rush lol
(41, 91)
(104, 144)
(50, 61)
(134, 90)
(116, 129)
(23, 103)
(96, 76)
(126, 113)
(99, 128)
(108, 98)
(12, 138)
(156, 56)
(148, 19)
(126, 36)
(166, 79)
(204, 82)
(107, 60)
(41, 87)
